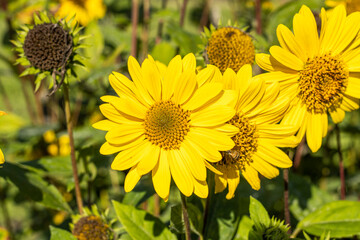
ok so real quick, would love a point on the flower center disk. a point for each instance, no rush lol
(166, 124)
(47, 46)
(245, 143)
(229, 47)
(322, 83)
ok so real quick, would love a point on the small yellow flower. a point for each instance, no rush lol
(84, 10)
(49, 136)
(258, 110)
(319, 71)
(166, 122)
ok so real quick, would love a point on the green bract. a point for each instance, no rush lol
(49, 49)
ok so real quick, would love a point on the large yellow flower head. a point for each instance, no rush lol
(2, 158)
(258, 110)
(165, 122)
(320, 71)
(84, 10)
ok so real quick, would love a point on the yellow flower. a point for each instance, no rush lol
(320, 71)
(165, 122)
(229, 47)
(84, 10)
(2, 158)
(258, 110)
(351, 5)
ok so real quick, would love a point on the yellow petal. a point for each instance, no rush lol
(193, 161)
(273, 155)
(348, 34)
(289, 42)
(130, 107)
(2, 158)
(264, 168)
(201, 188)
(205, 150)
(107, 148)
(220, 180)
(337, 115)
(114, 115)
(305, 31)
(124, 133)
(349, 103)
(334, 28)
(212, 116)
(129, 157)
(185, 87)
(314, 132)
(171, 77)
(151, 79)
(353, 88)
(220, 141)
(131, 179)
(233, 179)
(105, 125)
(161, 176)
(286, 58)
(204, 94)
(229, 79)
(121, 84)
(181, 174)
(137, 77)
(189, 62)
(211, 168)
(252, 177)
(149, 159)
(251, 97)
(206, 75)
(228, 129)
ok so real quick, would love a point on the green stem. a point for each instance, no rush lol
(186, 217)
(69, 124)
(341, 165)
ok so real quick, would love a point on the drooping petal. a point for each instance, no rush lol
(314, 131)
(131, 179)
(161, 176)
(149, 158)
(252, 177)
(264, 168)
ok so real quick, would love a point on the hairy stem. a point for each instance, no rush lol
(186, 217)
(69, 124)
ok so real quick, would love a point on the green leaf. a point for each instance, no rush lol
(340, 218)
(163, 52)
(258, 214)
(60, 234)
(140, 224)
(224, 215)
(245, 226)
(33, 186)
(142, 191)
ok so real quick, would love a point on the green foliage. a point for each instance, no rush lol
(139, 224)
(340, 218)
(60, 234)
(31, 185)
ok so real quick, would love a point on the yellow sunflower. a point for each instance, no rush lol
(165, 122)
(2, 158)
(84, 10)
(258, 110)
(320, 71)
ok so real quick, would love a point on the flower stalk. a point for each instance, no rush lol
(186, 217)
(341, 165)
(69, 124)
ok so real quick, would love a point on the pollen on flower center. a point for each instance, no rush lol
(166, 124)
(230, 47)
(323, 82)
(245, 143)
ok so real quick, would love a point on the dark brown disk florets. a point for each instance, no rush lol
(48, 46)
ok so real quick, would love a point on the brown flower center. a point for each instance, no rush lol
(322, 83)
(47, 46)
(166, 124)
(245, 143)
(91, 227)
(229, 47)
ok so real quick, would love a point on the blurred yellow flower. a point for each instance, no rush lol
(258, 110)
(165, 122)
(350, 5)
(319, 71)
(49, 136)
(84, 10)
